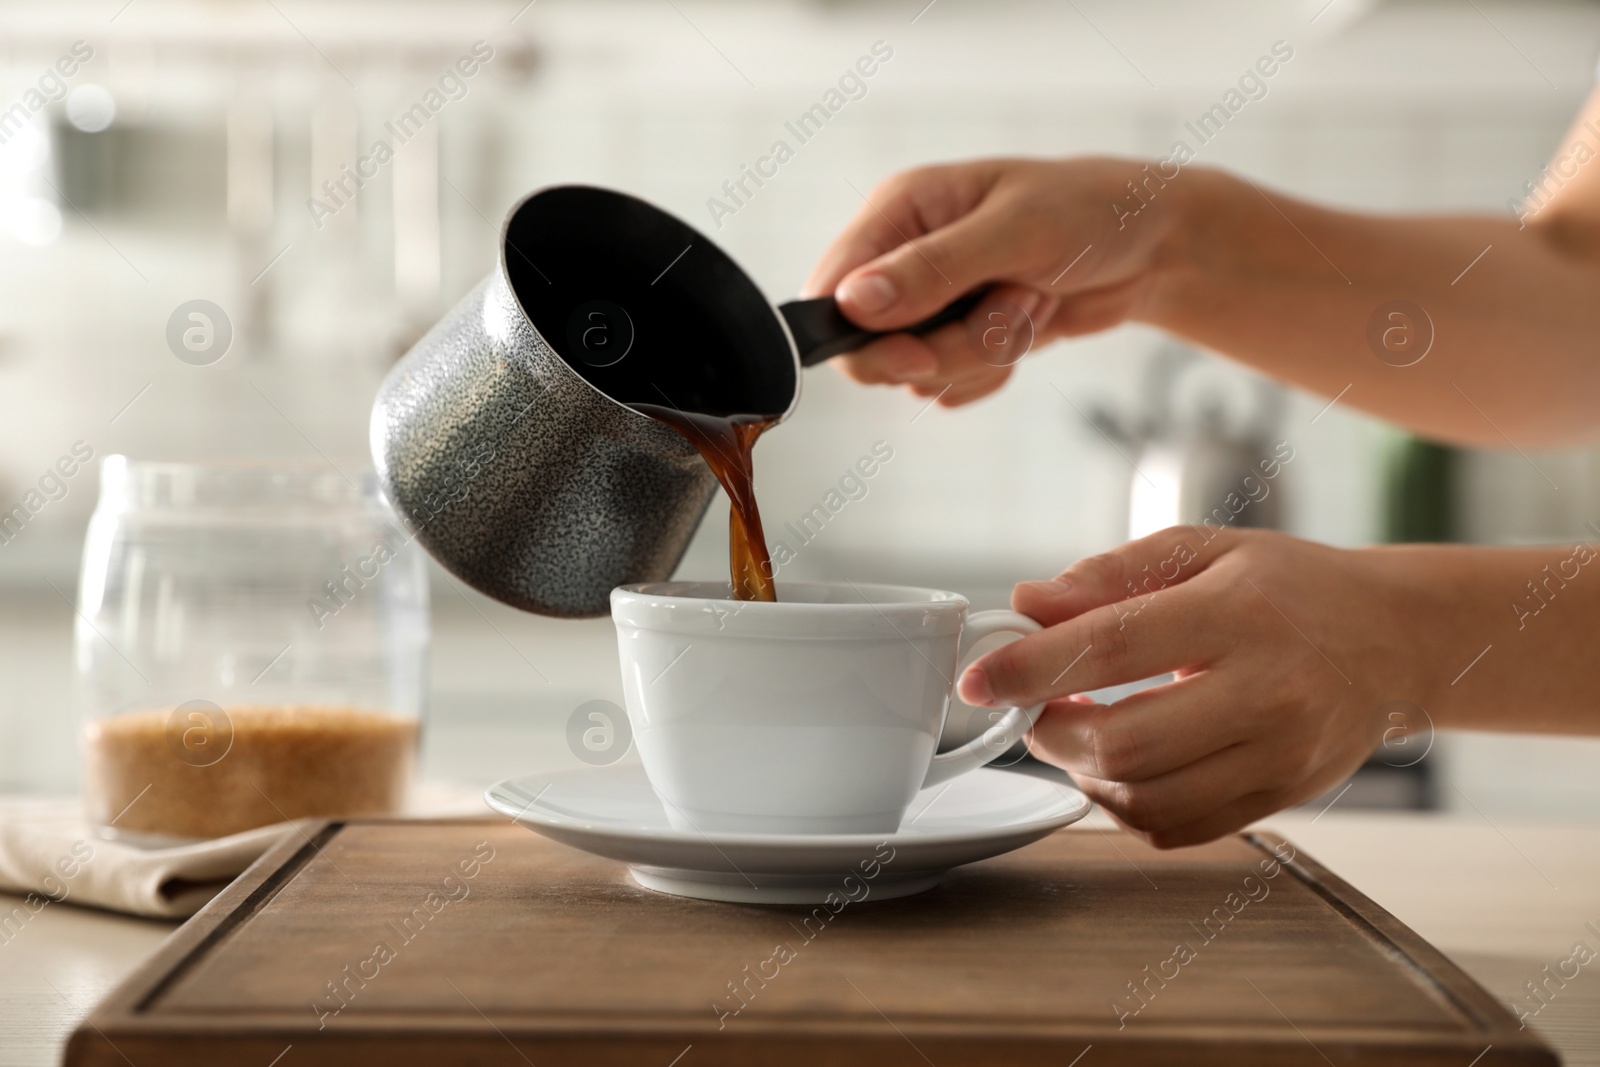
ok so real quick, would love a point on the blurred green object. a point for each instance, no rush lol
(1419, 491)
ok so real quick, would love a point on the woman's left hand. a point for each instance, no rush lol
(1288, 656)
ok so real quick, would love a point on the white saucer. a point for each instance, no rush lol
(613, 812)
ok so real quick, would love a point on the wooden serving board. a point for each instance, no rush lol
(477, 942)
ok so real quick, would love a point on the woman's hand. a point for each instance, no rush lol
(1288, 656)
(1056, 241)
(1286, 287)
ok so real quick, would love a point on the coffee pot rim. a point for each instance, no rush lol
(503, 270)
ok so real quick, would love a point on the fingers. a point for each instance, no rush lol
(902, 208)
(941, 357)
(959, 362)
(1132, 571)
(936, 364)
(866, 237)
(954, 398)
(895, 359)
(1180, 798)
(886, 219)
(1215, 823)
(1149, 734)
(1007, 323)
(1197, 803)
(918, 277)
(1102, 647)
(1209, 780)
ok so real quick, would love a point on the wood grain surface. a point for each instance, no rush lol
(456, 942)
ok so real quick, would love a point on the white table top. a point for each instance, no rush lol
(1503, 900)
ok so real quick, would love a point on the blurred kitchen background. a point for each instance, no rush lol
(177, 162)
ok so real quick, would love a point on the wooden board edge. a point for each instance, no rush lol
(201, 928)
(240, 899)
(1499, 1026)
(117, 1015)
(778, 1048)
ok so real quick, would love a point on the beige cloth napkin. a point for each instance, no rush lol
(48, 851)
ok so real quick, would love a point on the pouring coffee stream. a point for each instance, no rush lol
(726, 445)
(545, 439)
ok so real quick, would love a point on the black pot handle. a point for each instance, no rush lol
(821, 331)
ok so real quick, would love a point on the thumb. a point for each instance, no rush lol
(918, 278)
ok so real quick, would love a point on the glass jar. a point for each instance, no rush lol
(251, 646)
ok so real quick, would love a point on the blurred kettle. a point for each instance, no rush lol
(1206, 467)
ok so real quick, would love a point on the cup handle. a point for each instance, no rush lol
(993, 742)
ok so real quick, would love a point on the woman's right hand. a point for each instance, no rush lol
(1066, 248)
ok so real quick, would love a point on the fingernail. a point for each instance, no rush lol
(1028, 303)
(974, 688)
(868, 292)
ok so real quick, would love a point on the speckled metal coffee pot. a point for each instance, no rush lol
(505, 438)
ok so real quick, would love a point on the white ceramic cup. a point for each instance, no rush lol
(818, 714)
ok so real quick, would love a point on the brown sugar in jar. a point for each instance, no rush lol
(165, 772)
